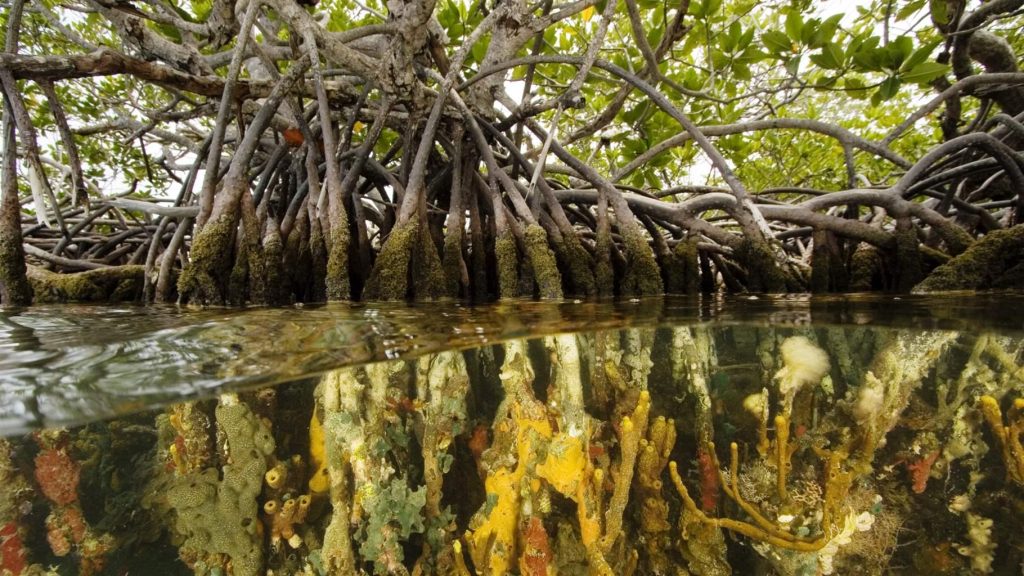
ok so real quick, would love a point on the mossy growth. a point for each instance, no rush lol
(318, 258)
(427, 272)
(604, 273)
(956, 238)
(507, 257)
(338, 286)
(258, 282)
(993, 261)
(642, 276)
(273, 259)
(14, 286)
(828, 272)
(218, 513)
(295, 259)
(578, 264)
(865, 268)
(117, 283)
(682, 269)
(763, 273)
(408, 266)
(455, 273)
(542, 259)
(238, 281)
(909, 266)
(389, 279)
(202, 279)
(821, 269)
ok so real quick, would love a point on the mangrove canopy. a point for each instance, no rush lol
(275, 151)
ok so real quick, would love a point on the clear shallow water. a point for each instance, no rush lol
(764, 436)
(68, 364)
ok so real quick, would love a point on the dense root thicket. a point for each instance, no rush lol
(377, 162)
(692, 450)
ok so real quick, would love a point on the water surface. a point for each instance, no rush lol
(69, 364)
(743, 435)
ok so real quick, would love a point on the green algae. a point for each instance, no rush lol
(427, 272)
(641, 276)
(993, 261)
(507, 264)
(114, 284)
(909, 263)
(763, 272)
(338, 285)
(542, 259)
(202, 279)
(682, 269)
(389, 279)
(395, 512)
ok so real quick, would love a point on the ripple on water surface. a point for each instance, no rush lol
(70, 364)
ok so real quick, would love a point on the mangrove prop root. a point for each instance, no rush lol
(994, 261)
(112, 284)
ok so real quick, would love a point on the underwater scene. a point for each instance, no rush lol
(769, 436)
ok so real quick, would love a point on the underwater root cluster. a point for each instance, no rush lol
(837, 484)
(552, 456)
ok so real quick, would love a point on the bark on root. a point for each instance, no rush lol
(15, 289)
